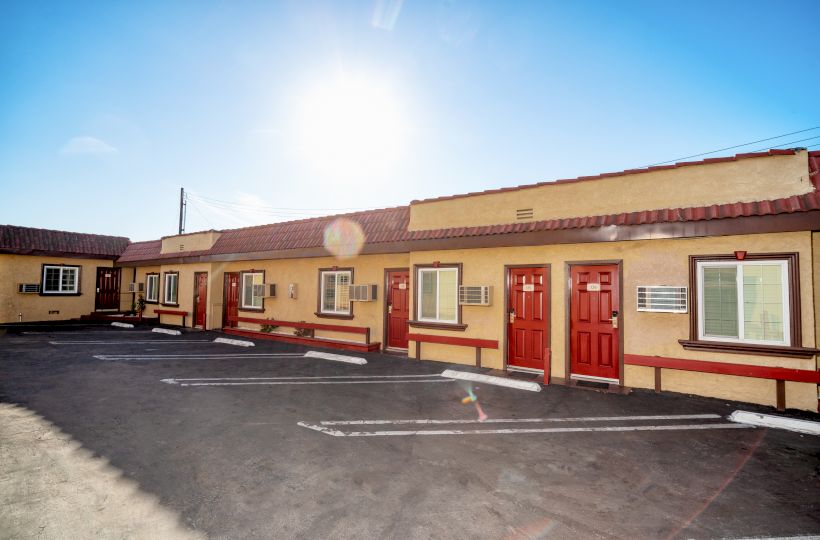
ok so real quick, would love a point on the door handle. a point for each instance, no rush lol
(512, 316)
(390, 308)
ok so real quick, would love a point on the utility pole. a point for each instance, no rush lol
(183, 210)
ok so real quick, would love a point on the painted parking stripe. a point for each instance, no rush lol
(489, 379)
(226, 356)
(519, 431)
(208, 379)
(158, 341)
(521, 420)
(279, 383)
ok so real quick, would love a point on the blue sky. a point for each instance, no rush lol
(268, 111)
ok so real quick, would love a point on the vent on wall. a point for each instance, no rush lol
(524, 213)
(662, 298)
(475, 295)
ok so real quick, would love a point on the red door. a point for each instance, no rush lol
(200, 298)
(594, 315)
(398, 308)
(231, 299)
(528, 317)
(108, 289)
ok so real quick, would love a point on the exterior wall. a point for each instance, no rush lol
(752, 179)
(304, 273)
(16, 269)
(651, 262)
(189, 242)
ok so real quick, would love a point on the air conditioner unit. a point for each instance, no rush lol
(136, 287)
(475, 295)
(28, 288)
(363, 293)
(270, 290)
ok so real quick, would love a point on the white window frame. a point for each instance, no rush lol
(784, 273)
(148, 289)
(437, 272)
(337, 310)
(62, 269)
(242, 304)
(165, 299)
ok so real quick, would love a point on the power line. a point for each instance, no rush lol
(730, 147)
(268, 207)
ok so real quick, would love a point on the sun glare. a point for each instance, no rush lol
(351, 127)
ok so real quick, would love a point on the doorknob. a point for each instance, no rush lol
(390, 308)
(512, 316)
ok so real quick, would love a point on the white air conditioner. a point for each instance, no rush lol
(475, 295)
(28, 288)
(270, 290)
(136, 287)
(363, 293)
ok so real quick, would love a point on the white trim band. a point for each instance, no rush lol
(489, 379)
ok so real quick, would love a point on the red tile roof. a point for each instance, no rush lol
(391, 224)
(30, 241)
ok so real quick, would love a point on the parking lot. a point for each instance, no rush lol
(278, 441)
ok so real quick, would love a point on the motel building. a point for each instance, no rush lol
(700, 277)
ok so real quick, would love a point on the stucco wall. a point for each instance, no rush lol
(16, 269)
(753, 179)
(651, 262)
(189, 242)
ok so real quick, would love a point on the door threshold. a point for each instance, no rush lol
(396, 351)
(592, 378)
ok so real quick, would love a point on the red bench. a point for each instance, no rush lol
(449, 340)
(178, 313)
(367, 346)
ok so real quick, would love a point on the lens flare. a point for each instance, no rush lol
(473, 398)
(344, 238)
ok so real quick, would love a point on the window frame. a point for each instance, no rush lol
(148, 277)
(242, 306)
(795, 340)
(60, 292)
(320, 311)
(419, 322)
(165, 276)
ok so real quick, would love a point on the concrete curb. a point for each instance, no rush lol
(122, 325)
(489, 379)
(238, 342)
(336, 357)
(780, 422)
(166, 331)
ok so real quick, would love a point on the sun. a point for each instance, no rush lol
(351, 126)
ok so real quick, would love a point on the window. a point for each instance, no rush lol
(252, 290)
(438, 295)
(171, 288)
(334, 296)
(151, 287)
(744, 301)
(61, 279)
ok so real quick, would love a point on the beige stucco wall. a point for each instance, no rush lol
(651, 262)
(189, 242)
(16, 269)
(753, 179)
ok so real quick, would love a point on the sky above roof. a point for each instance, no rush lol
(272, 111)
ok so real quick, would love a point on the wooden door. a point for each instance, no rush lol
(231, 303)
(594, 317)
(527, 317)
(200, 298)
(108, 289)
(398, 308)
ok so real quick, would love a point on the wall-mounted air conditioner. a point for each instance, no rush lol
(136, 287)
(475, 295)
(28, 288)
(270, 290)
(663, 298)
(363, 293)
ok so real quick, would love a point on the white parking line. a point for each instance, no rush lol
(225, 356)
(521, 420)
(518, 431)
(158, 341)
(302, 380)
